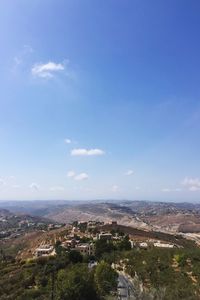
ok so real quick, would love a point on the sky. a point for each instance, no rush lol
(100, 100)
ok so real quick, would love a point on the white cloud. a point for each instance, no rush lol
(129, 172)
(7, 181)
(68, 141)
(194, 188)
(11, 177)
(16, 186)
(46, 70)
(81, 176)
(177, 190)
(34, 186)
(57, 189)
(115, 188)
(193, 184)
(71, 174)
(85, 152)
(166, 190)
(78, 177)
(2, 182)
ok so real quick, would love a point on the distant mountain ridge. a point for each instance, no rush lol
(164, 216)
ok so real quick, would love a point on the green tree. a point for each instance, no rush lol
(58, 248)
(105, 278)
(75, 257)
(77, 283)
(124, 244)
(103, 246)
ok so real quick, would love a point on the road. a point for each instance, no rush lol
(125, 288)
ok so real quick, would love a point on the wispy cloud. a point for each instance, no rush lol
(87, 152)
(71, 174)
(2, 182)
(34, 186)
(16, 186)
(57, 189)
(193, 184)
(194, 188)
(68, 141)
(11, 177)
(137, 188)
(115, 188)
(129, 173)
(8, 181)
(17, 61)
(168, 190)
(78, 177)
(47, 70)
(81, 177)
(21, 57)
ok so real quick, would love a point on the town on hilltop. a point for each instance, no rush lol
(81, 236)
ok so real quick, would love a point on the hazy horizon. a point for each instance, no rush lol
(115, 201)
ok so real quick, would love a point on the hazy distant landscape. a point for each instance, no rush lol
(162, 216)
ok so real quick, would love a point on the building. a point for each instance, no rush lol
(163, 245)
(85, 249)
(105, 236)
(114, 223)
(143, 245)
(44, 250)
(70, 243)
(94, 224)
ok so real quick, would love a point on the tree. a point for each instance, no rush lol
(105, 278)
(75, 257)
(103, 246)
(58, 248)
(82, 226)
(77, 283)
(124, 244)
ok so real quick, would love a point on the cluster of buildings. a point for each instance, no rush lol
(81, 237)
(152, 243)
(83, 248)
(76, 239)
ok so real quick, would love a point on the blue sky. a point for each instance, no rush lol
(100, 99)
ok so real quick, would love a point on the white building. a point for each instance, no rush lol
(163, 245)
(143, 245)
(44, 250)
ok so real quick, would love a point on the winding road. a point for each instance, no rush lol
(125, 288)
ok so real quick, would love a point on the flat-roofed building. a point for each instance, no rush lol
(85, 248)
(163, 245)
(105, 236)
(44, 250)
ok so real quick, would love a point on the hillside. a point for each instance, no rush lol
(159, 216)
(9, 220)
(105, 212)
(167, 217)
